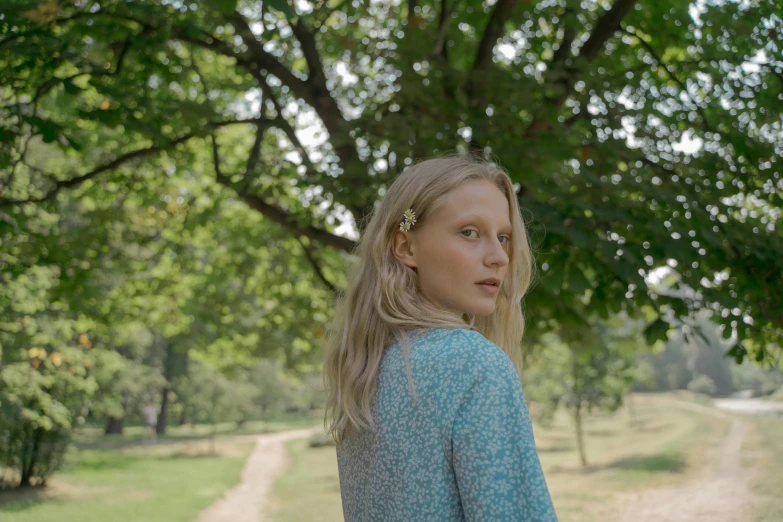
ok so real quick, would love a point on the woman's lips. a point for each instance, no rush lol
(492, 289)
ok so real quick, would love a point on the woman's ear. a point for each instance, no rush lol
(403, 248)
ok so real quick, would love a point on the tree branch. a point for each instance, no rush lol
(316, 267)
(276, 214)
(117, 162)
(316, 94)
(286, 127)
(255, 151)
(492, 32)
(411, 14)
(607, 25)
(59, 185)
(288, 222)
(671, 74)
(441, 49)
(264, 60)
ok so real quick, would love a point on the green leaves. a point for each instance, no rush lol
(283, 7)
(608, 205)
(656, 331)
(577, 282)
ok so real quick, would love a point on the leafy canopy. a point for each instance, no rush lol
(641, 134)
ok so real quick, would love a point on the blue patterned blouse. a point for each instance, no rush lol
(464, 451)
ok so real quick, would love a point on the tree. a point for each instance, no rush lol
(213, 398)
(586, 370)
(591, 106)
(45, 384)
(123, 385)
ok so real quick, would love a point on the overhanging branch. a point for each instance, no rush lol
(276, 214)
(315, 93)
(492, 32)
(316, 267)
(117, 162)
(607, 25)
(287, 221)
(672, 75)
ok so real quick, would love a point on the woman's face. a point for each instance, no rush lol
(465, 241)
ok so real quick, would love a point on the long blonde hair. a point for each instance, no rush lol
(381, 304)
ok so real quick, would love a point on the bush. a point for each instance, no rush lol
(704, 385)
(39, 397)
(777, 396)
(31, 453)
(320, 439)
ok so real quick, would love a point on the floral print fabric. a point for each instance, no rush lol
(464, 451)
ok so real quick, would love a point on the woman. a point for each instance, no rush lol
(422, 366)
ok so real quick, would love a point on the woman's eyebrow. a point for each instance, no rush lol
(507, 228)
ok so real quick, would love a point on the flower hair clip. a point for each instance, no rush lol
(409, 218)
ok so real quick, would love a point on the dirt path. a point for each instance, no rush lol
(720, 495)
(245, 502)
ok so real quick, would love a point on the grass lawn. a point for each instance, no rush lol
(668, 444)
(124, 479)
(167, 483)
(764, 450)
(311, 474)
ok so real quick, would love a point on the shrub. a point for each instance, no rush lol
(39, 397)
(704, 385)
(320, 439)
(777, 396)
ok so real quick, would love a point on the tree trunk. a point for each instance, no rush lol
(115, 426)
(160, 429)
(631, 411)
(169, 371)
(579, 438)
(183, 419)
(28, 464)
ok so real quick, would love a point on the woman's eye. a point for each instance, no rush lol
(468, 231)
(507, 239)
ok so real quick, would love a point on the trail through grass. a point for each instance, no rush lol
(127, 479)
(668, 445)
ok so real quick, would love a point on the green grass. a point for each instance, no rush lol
(765, 448)
(144, 484)
(311, 474)
(668, 445)
(124, 478)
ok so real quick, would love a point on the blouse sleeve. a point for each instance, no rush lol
(495, 461)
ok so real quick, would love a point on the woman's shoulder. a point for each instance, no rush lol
(465, 351)
(462, 362)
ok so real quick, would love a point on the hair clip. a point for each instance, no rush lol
(409, 218)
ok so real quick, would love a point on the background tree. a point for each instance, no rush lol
(585, 370)
(213, 398)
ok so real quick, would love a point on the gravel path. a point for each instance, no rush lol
(722, 495)
(750, 406)
(245, 502)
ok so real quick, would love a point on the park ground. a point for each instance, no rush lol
(677, 445)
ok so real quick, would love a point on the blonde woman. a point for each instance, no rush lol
(423, 362)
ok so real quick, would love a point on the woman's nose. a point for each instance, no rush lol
(497, 254)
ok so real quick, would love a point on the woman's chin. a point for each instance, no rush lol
(483, 311)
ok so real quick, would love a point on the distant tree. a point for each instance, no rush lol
(704, 385)
(213, 398)
(583, 371)
(124, 386)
